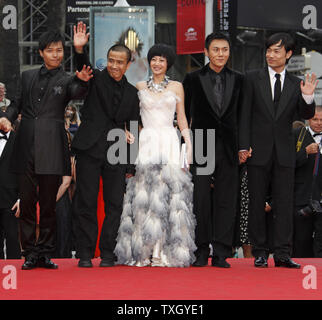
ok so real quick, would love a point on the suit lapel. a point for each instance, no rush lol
(104, 92)
(287, 92)
(6, 147)
(124, 101)
(229, 86)
(207, 88)
(265, 87)
(32, 81)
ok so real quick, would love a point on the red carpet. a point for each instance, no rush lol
(241, 282)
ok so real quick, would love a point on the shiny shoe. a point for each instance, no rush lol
(45, 262)
(201, 261)
(286, 263)
(107, 262)
(84, 263)
(30, 263)
(260, 262)
(219, 262)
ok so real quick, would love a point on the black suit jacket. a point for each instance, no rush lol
(261, 127)
(304, 172)
(97, 117)
(8, 180)
(203, 113)
(43, 129)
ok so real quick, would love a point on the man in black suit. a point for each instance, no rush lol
(110, 105)
(9, 203)
(40, 152)
(308, 225)
(212, 97)
(271, 98)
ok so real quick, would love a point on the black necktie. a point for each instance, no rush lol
(277, 89)
(317, 134)
(4, 137)
(218, 90)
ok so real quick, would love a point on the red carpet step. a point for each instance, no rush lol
(241, 282)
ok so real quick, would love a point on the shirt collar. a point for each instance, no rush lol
(311, 131)
(51, 72)
(272, 73)
(5, 134)
(213, 73)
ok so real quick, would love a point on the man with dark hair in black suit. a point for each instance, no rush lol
(271, 98)
(212, 96)
(40, 152)
(307, 222)
(9, 203)
(110, 105)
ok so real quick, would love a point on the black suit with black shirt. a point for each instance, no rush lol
(40, 153)
(307, 229)
(215, 209)
(109, 105)
(8, 197)
(267, 128)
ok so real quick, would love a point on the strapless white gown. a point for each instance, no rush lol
(157, 224)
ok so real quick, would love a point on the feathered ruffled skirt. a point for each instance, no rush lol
(157, 219)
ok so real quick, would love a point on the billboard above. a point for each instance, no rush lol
(280, 14)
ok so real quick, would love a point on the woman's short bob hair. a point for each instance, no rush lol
(162, 50)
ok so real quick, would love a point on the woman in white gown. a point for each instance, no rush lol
(157, 224)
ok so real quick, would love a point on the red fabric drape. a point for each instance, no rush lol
(100, 216)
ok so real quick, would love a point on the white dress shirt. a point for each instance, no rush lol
(317, 139)
(3, 142)
(307, 98)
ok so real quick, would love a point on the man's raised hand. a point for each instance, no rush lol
(309, 85)
(80, 36)
(85, 74)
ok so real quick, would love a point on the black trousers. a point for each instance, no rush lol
(307, 238)
(215, 209)
(64, 227)
(33, 188)
(9, 225)
(88, 172)
(281, 181)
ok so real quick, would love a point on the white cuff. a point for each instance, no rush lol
(308, 98)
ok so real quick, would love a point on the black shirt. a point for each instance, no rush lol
(99, 150)
(213, 75)
(40, 85)
(218, 84)
(118, 90)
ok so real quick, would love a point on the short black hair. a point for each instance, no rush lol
(286, 41)
(119, 47)
(49, 37)
(216, 36)
(162, 50)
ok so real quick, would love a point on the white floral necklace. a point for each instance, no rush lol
(157, 87)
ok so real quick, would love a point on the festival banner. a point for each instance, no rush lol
(190, 26)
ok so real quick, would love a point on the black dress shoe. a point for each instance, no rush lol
(107, 262)
(201, 261)
(219, 262)
(286, 263)
(30, 263)
(260, 262)
(45, 262)
(85, 263)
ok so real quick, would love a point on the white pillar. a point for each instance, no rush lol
(209, 21)
(121, 3)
